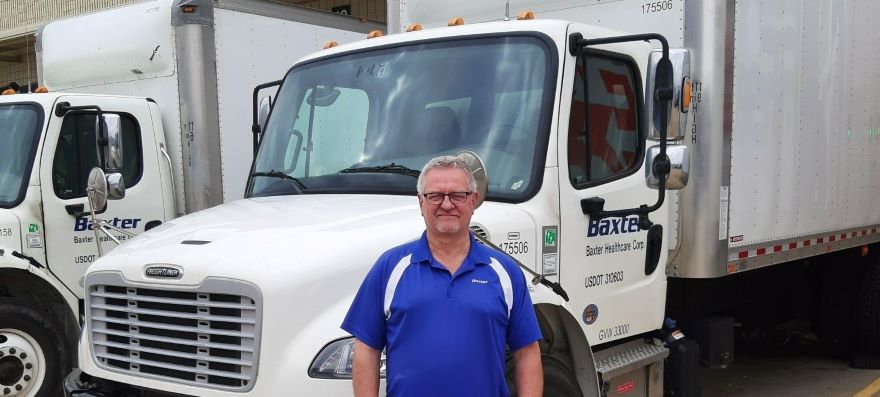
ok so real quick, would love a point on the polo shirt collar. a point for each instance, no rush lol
(477, 254)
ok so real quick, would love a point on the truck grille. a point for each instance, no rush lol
(200, 337)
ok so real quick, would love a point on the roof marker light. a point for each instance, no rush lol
(414, 27)
(330, 44)
(374, 34)
(525, 15)
(457, 21)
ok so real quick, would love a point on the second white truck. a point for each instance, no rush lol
(178, 76)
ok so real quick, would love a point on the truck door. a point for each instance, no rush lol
(601, 154)
(70, 153)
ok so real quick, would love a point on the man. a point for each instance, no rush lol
(445, 307)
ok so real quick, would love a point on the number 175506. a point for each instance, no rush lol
(656, 6)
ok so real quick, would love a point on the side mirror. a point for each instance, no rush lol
(677, 108)
(263, 112)
(478, 169)
(115, 186)
(111, 141)
(679, 167)
(99, 188)
(96, 188)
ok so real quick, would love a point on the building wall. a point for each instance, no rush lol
(21, 72)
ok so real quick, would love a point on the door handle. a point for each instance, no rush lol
(76, 210)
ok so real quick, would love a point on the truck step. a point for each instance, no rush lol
(625, 358)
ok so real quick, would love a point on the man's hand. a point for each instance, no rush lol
(529, 375)
(365, 369)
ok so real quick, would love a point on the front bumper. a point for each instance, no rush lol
(81, 384)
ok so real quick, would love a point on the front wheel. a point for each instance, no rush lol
(559, 381)
(33, 354)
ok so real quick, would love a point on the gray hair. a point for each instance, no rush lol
(452, 162)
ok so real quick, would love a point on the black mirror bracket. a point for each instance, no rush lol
(663, 93)
(63, 107)
(662, 165)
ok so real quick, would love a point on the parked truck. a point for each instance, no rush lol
(688, 181)
(186, 138)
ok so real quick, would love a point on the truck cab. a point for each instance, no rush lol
(49, 143)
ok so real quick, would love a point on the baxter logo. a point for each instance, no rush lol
(164, 272)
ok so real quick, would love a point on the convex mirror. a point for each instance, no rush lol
(679, 170)
(478, 169)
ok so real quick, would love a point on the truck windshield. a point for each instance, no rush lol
(366, 122)
(19, 133)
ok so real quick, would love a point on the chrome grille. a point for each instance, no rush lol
(200, 337)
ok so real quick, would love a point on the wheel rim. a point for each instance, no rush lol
(22, 364)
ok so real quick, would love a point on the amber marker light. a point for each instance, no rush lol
(686, 92)
(864, 250)
(374, 34)
(330, 44)
(457, 21)
(525, 16)
(413, 27)
(190, 9)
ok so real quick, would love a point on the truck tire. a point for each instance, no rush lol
(33, 353)
(558, 379)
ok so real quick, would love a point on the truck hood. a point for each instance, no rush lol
(10, 230)
(279, 239)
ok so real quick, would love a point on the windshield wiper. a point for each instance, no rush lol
(387, 169)
(278, 174)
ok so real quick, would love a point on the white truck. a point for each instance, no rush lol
(767, 124)
(187, 141)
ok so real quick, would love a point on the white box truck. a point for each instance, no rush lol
(187, 134)
(767, 126)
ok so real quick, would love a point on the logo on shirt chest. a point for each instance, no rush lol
(478, 281)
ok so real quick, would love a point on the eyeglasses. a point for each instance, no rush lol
(454, 197)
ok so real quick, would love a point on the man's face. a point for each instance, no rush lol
(447, 217)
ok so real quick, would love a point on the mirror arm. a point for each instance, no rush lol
(536, 278)
(255, 127)
(594, 206)
(63, 107)
(90, 193)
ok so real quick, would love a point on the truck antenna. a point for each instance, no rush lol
(507, 10)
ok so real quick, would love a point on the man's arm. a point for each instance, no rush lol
(529, 375)
(365, 370)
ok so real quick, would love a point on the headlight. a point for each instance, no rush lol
(334, 361)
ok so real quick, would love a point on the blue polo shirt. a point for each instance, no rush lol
(445, 335)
